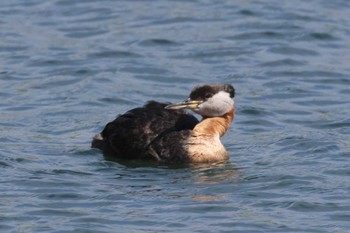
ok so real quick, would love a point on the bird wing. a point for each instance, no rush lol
(131, 134)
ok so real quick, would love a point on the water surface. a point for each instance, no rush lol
(69, 67)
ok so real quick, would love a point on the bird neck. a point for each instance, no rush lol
(215, 125)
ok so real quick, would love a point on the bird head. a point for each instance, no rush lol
(208, 100)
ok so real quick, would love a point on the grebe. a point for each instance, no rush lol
(166, 133)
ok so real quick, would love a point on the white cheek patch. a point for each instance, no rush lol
(217, 105)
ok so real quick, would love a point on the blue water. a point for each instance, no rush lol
(67, 67)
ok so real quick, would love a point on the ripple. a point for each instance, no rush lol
(344, 124)
(258, 35)
(322, 36)
(114, 54)
(11, 49)
(177, 20)
(284, 62)
(158, 42)
(53, 62)
(303, 206)
(318, 74)
(83, 32)
(340, 172)
(70, 172)
(144, 70)
(211, 56)
(4, 164)
(288, 50)
(340, 217)
(247, 12)
(253, 111)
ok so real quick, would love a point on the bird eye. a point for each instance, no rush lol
(208, 95)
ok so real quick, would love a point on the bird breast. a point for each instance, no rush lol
(204, 143)
(206, 148)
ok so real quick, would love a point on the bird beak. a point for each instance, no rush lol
(188, 104)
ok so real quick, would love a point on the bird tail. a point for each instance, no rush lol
(98, 142)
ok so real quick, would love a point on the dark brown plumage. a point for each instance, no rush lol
(162, 132)
(130, 135)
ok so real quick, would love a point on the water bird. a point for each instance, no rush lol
(167, 133)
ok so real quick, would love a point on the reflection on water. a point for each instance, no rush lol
(216, 173)
(213, 176)
(208, 198)
(201, 173)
